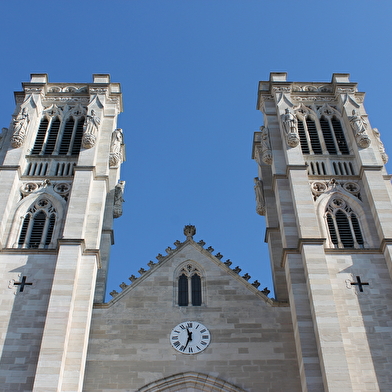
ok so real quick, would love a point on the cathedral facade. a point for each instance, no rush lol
(191, 321)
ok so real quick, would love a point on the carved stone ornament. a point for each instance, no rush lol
(90, 130)
(189, 231)
(320, 187)
(260, 200)
(290, 125)
(116, 156)
(61, 188)
(266, 153)
(20, 123)
(381, 147)
(358, 124)
(118, 199)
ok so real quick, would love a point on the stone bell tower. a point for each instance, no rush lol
(327, 201)
(60, 190)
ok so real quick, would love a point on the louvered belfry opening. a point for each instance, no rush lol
(59, 137)
(339, 134)
(302, 138)
(313, 136)
(346, 236)
(343, 225)
(328, 137)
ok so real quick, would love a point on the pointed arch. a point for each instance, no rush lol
(189, 281)
(37, 221)
(343, 220)
(190, 381)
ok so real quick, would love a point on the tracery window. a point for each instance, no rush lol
(343, 225)
(320, 131)
(38, 225)
(60, 131)
(189, 286)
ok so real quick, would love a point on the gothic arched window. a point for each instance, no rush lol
(333, 134)
(60, 132)
(343, 225)
(38, 225)
(189, 286)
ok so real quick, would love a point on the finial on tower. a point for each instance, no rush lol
(189, 231)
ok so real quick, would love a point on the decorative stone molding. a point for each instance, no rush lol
(68, 89)
(52, 111)
(328, 111)
(118, 199)
(219, 256)
(381, 147)
(290, 125)
(281, 89)
(309, 98)
(359, 125)
(116, 146)
(320, 187)
(61, 188)
(210, 249)
(90, 129)
(20, 124)
(246, 276)
(190, 381)
(98, 90)
(260, 200)
(322, 89)
(237, 269)
(201, 243)
(80, 100)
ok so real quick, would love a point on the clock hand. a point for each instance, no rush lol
(189, 338)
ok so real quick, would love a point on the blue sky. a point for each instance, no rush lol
(189, 72)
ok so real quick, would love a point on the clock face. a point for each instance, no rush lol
(190, 337)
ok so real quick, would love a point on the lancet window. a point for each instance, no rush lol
(343, 225)
(320, 131)
(60, 131)
(189, 286)
(38, 225)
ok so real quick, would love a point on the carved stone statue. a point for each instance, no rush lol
(20, 123)
(358, 124)
(260, 200)
(266, 154)
(90, 130)
(118, 199)
(115, 157)
(381, 147)
(290, 124)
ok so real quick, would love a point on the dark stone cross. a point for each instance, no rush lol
(22, 284)
(359, 284)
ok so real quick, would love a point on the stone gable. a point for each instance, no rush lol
(252, 343)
